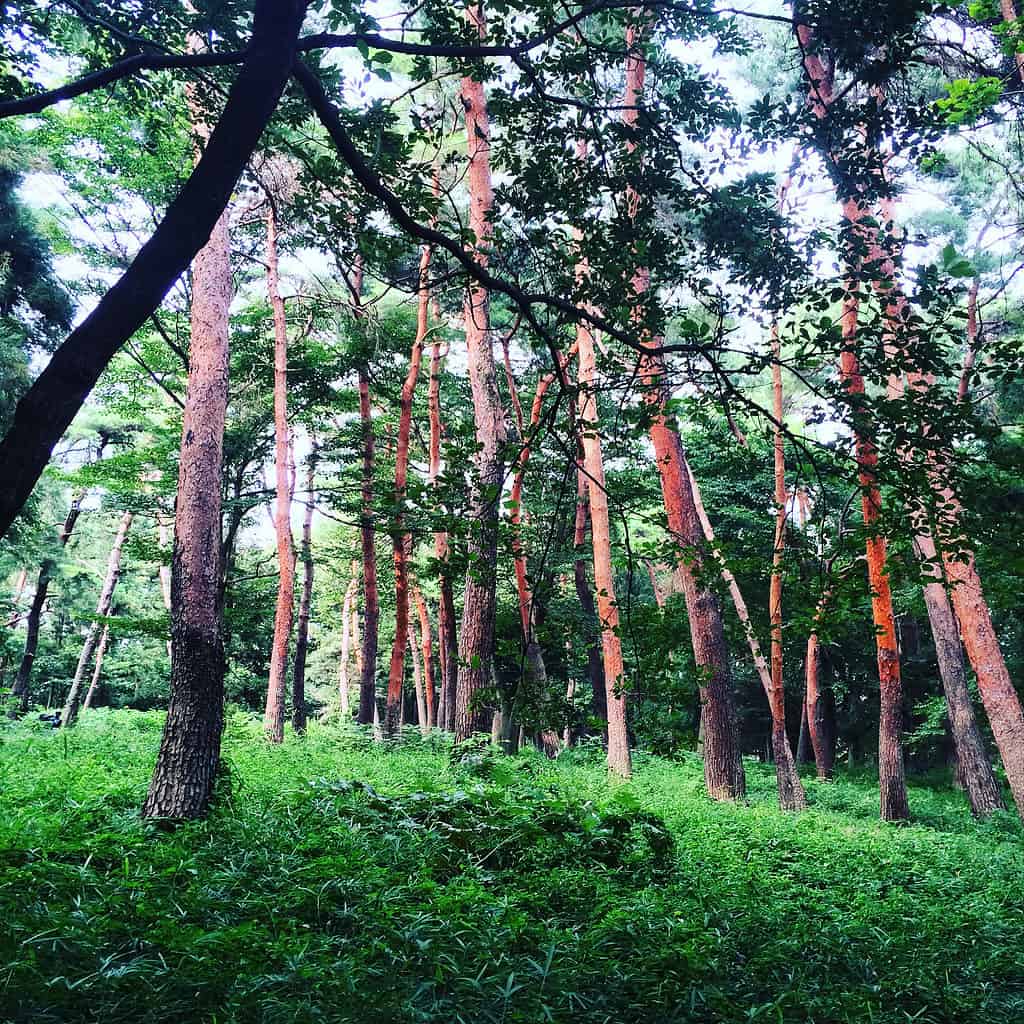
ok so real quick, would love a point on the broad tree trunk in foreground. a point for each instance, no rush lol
(57, 394)
(305, 602)
(186, 764)
(619, 760)
(399, 541)
(23, 680)
(70, 712)
(476, 638)
(723, 767)
(273, 717)
(101, 651)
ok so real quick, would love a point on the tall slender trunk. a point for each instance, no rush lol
(348, 634)
(426, 643)
(791, 792)
(819, 721)
(22, 688)
(585, 596)
(892, 781)
(186, 764)
(723, 767)
(101, 651)
(619, 760)
(70, 712)
(417, 682)
(476, 640)
(299, 713)
(447, 641)
(284, 611)
(399, 541)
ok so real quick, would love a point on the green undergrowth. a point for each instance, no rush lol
(337, 880)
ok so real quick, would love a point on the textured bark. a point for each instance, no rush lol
(299, 713)
(101, 651)
(284, 611)
(71, 705)
(723, 767)
(619, 760)
(399, 542)
(974, 768)
(823, 739)
(186, 764)
(348, 633)
(476, 638)
(427, 645)
(22, 688)
(417, 682)
(57, 394)
(971, 354)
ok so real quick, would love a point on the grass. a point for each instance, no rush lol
(338, 881)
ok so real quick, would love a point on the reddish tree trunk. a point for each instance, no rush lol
(823, 740)
(396, 673)
(70, 712)
(427, 645)
(186, 764)
(305, 602)
(619, 760)
(595, 664)
(892, 781)
(723, 767)
(476, 640)
(273, 718)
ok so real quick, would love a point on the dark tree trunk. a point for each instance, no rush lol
(305, 602)
(23, 680)
(57, 394)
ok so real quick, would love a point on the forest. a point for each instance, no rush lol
(512, 511)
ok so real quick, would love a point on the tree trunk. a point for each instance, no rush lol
(791, 792)
(892, 782)
(476, 640)
(595, 663)
(70, 712)
(417, 682)
(823, 740)
(101, 650)
(23, 680)
(399, 540)
(186, 764)
(723, 767)
(447, 641)
(427, 645)
(619, 761)
(299, 714)
(348, 633)
(57, 394)
(1009, 11)
(273, 717)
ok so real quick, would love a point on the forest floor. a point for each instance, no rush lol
(338, 881)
